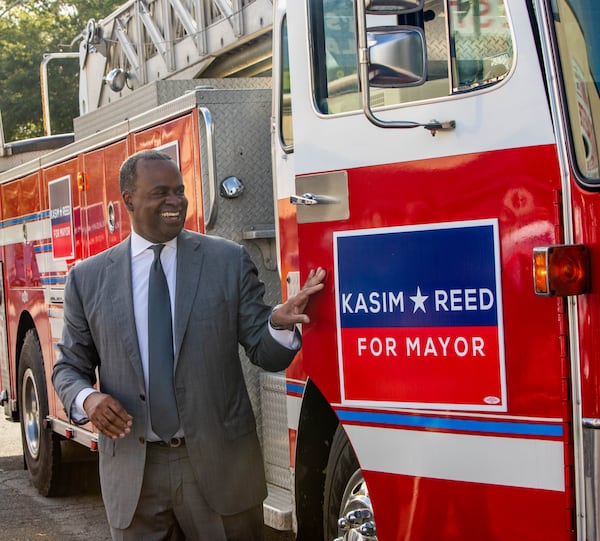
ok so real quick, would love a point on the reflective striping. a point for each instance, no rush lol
(23, 219)
(53, 280)
(36, 228)
(516, 462)
(295, 388)
(444, 423)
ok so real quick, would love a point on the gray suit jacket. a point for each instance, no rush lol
(218, 305)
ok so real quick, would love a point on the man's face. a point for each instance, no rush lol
(158, 204)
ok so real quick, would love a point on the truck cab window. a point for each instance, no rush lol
(578, 29)
(481, 49)
(469, 45)
(287, 138)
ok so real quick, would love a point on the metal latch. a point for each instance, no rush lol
(312, 199)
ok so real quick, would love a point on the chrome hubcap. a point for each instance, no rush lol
(356, 521)
(31, 413)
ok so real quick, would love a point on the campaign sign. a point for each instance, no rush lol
(61, 218)
(419, 316)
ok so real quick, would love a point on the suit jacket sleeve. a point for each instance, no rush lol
(261, 348)
(75, 369)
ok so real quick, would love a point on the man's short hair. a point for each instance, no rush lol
(128, 171)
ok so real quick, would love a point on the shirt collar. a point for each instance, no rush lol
(139, 244)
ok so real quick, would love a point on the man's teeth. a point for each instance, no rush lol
(170, 214)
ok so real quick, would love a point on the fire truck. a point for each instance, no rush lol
(439, 158)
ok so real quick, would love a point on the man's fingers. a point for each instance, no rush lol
(118, 417)
(292, 311)
(301, 299)
(315, 277)
(107, 414)
(118, 422)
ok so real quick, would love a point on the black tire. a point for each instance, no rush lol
(345, 490)
(41, 448)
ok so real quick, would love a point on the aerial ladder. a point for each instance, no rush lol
(149, 40)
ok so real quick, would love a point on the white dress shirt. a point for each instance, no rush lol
(141, 260)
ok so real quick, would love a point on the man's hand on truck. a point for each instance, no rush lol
(288, 314)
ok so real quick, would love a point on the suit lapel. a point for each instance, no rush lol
(118, 274)
(189, 269)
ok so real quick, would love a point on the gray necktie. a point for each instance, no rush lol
(163, 407)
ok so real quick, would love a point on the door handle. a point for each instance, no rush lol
(312, 199)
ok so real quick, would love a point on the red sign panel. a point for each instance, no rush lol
(61, 218)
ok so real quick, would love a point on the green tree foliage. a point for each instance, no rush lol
(28, 30)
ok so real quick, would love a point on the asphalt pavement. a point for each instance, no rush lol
(27, 516)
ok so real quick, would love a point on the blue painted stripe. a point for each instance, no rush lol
(41, 248)
(294, 388)
(23, 219)
(54, 280)
(466, 425)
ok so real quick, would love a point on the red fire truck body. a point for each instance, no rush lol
(440, 160)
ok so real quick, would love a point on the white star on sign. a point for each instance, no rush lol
(419, 301)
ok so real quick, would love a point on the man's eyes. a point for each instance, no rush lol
(162, 193)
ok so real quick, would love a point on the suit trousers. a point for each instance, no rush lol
(172, 508)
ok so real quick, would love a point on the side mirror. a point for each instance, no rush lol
(397, 56)
(393, 7)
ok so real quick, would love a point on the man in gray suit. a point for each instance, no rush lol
(202, 478)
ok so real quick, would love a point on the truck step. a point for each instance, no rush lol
(278, 508)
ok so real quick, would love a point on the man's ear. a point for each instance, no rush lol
(127, 200)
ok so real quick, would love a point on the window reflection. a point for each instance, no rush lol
(577, 24)
(468, 46)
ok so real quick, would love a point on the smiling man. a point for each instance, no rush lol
(159, 317)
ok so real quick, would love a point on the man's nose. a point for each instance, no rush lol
(175, 199)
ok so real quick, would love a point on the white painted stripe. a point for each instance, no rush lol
(39, 230)
(12, 234)
(36, 230)
(294, 403)
(516, 462)
(49, 264)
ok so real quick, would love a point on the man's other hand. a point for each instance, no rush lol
(107, 414)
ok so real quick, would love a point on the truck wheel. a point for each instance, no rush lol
(41, 448)
(347, 510)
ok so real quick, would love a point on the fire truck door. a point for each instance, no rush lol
(427, 234)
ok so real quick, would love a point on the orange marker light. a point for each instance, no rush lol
(561, 270)
(81, 181)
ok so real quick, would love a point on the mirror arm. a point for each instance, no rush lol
(365, 88)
